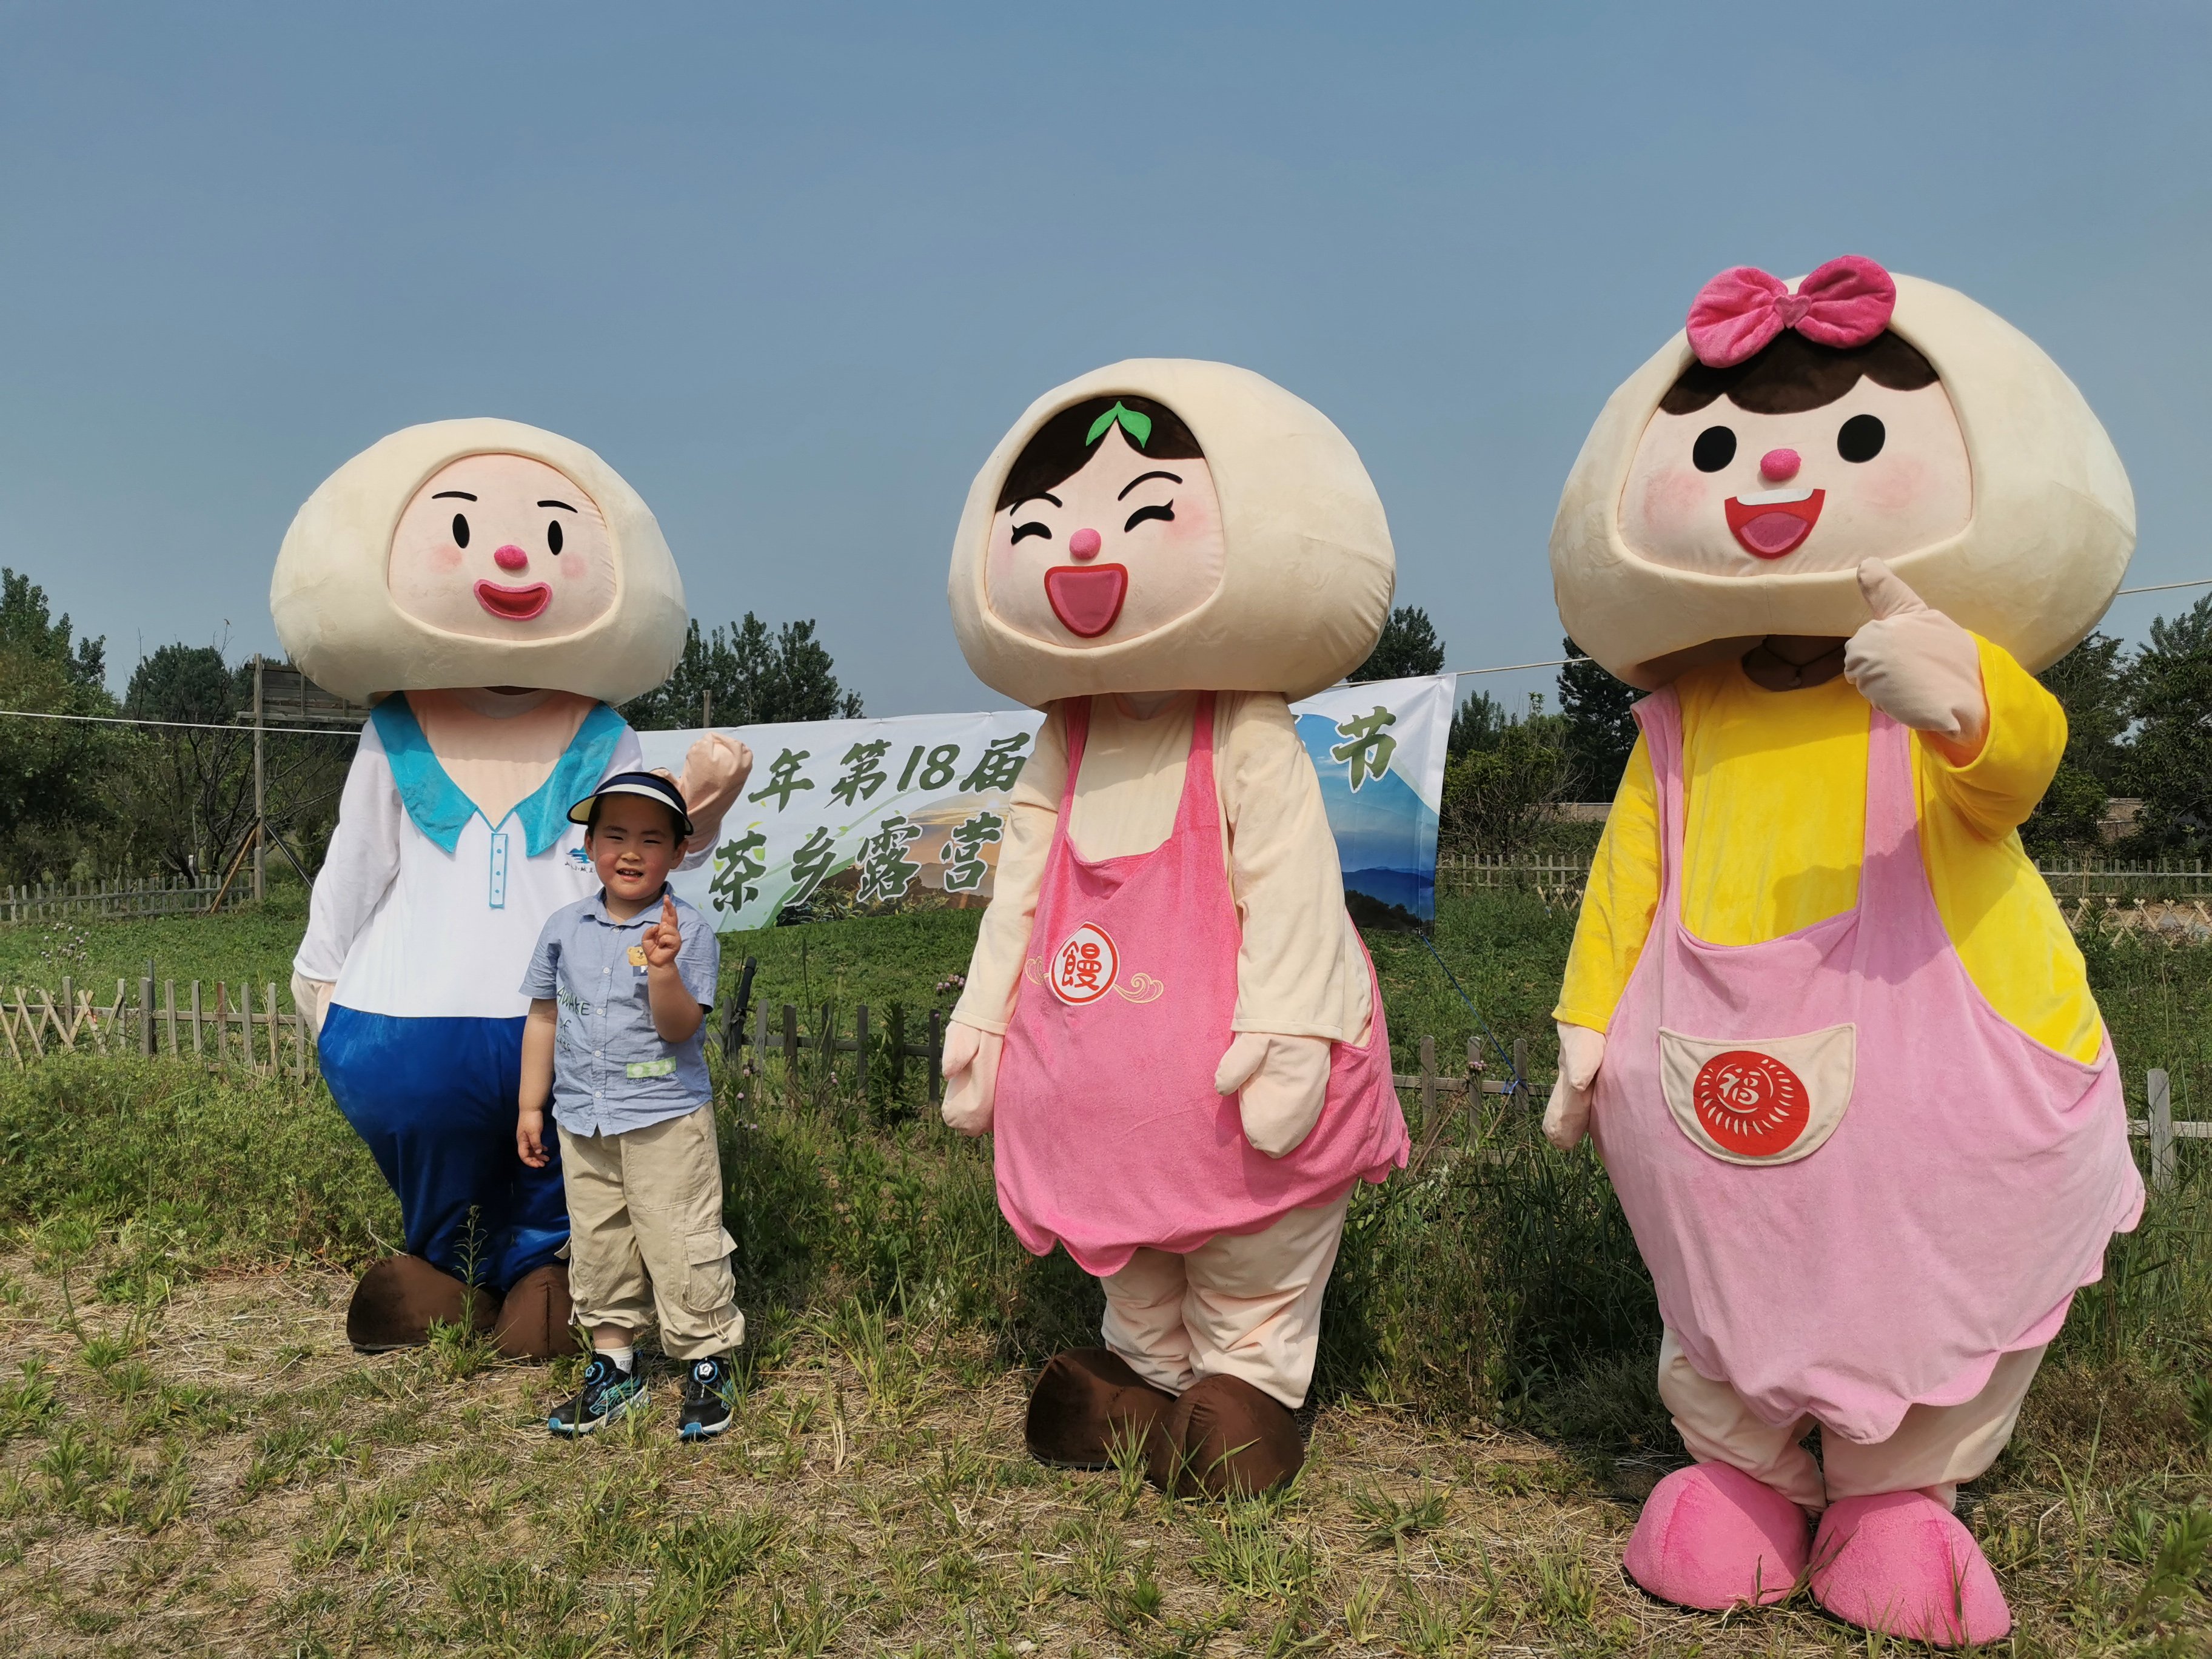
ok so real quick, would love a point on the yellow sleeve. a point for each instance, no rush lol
(1996, 790)
(1002, 943)
(1618, 902)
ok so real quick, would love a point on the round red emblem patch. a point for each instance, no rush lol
(1751, 1104)
(1082, 970)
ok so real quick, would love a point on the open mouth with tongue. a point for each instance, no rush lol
(1772, 522)
(1086, 597)
(515, 603)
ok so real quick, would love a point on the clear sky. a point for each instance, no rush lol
(794, 269)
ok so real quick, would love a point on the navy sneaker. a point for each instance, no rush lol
(710, 1390)
(609, 1392)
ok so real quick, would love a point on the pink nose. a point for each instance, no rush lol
(512, 557)
(1779, 466)
(1083, 544)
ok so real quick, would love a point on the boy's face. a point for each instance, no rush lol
(503, 547)
(1125, 546)
(1730, 493)
(633, 848)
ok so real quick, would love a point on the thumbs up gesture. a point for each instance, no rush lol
(1916, 665)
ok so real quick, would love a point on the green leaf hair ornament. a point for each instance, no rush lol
(1139, 426)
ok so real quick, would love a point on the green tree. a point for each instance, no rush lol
(747, 676)
(1409, 645)
(1600, 726)
(2091, 683)
(186, 793)
(51, 805)
(2169, 762)
(1500, 788)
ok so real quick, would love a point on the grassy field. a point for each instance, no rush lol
(192, 1459)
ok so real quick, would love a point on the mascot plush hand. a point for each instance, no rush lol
(494, 589)
(1822, 1017)
(1171, 1026)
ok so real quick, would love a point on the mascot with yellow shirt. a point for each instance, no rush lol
(1822, 1019)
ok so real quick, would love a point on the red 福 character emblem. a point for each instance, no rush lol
(1083, 969)
(1751, 1104)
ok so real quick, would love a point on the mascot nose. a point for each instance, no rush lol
(1778, 465)
(511, 557)
(1083, 544)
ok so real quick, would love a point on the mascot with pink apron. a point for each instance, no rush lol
(1171, 1026)
(1822, 1016)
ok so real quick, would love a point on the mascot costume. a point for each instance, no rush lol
(1822, 1017)
(1171, 1025)
(493, 589)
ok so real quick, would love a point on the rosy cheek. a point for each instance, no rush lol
(575, 567)
(1891, 488)
(1671, 502)
(446, 556)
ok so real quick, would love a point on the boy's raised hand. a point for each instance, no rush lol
(665, 937)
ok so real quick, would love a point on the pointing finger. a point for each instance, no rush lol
(1885, 591)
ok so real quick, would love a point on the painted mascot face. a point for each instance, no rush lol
(1806, 457)
(503, 547)
(1107, 529)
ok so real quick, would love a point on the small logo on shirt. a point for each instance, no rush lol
(579, 861)
(1082, 970)
(638, 1068)
(1751, 1104)
(637, 956)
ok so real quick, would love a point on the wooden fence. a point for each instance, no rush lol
(229, 1029)
(2076, 880)
(55, 901)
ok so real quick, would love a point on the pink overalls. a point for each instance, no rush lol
(1108, 1135)
(1856, 1187)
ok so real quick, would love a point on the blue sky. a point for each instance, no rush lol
(794, 269)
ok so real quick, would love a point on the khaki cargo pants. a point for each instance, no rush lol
(645, 1234)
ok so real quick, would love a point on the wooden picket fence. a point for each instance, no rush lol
(232, 1028)
(56, 901)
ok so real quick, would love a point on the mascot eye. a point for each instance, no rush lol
(1145, 513)
(1715, 449)
(1861, 438)
(461, 531)
(553, 535)
(1032, 528)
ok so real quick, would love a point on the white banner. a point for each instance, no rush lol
(845, 816)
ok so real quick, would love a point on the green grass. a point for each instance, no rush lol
(190, 1458)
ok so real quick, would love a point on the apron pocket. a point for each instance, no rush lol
(1758, 1100)
(709, 1284)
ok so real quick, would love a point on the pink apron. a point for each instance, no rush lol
(1108, 1135)
(1856, 1186)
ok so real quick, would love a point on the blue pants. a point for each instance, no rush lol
(435, 1100)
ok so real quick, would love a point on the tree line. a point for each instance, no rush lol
(2139, 728)
(80, 799)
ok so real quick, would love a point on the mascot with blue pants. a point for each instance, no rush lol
(493, 590)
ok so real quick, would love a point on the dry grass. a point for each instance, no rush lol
(210, 1468)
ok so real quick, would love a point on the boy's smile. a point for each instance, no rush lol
(633, 846)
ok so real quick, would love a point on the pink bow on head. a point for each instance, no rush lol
(1846, 302)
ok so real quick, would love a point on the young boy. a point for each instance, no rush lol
(619, 986)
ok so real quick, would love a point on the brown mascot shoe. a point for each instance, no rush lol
(400, 1298)
(1085, 1400)
(1224, 1436)
(534, 1320)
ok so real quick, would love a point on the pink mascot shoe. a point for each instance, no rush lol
(1713, 1537)
(1902, 1564)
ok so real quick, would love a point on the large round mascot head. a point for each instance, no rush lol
(1733, 483)
(1167, 524)
(479, 552)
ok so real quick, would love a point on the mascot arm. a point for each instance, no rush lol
(357, 872)
(975, 1035)
(1002, 943)
(1996, 788)
(1567, 1115)
(1618, 902)
(715, 769)
(1283, 873)
(1289, 888)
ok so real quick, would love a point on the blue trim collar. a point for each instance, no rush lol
(441, 812)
